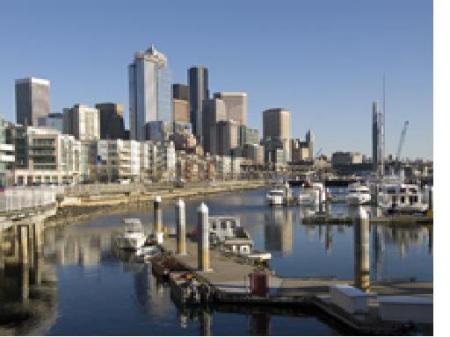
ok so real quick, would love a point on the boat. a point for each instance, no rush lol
(275, 197)
(132, 236)
(358, 195)
(146, 252)
(401, 198)
(311, 194)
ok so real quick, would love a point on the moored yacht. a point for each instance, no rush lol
(311, 194)
(358, 195)
(275, 196)
(132, 236)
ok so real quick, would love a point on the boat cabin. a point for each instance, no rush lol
(223, 227)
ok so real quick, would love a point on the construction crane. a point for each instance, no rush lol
(318, 153)
(400, 143)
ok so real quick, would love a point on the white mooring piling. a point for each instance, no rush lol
(180, 217)
(203, 237)
(157, 220)
(361, 224)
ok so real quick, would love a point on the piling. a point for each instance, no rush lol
(180, 217)
(205, 323)
(321, 201)
(430, 199)
(157, 219)
(31, 231)
(2, 257)
(23, 245)
(361, 250)
(203, 237)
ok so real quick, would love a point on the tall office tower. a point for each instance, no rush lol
(214, 110)
(310, 140)
(277, 124)
(236, 104)
(377, 139)
(180, 91)
(180, 104)
(82, 121)
(227, 137)
(32, 100)
(199, 92)
(149, 90)
(111, 120)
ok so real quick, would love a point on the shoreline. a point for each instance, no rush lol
(95, 206)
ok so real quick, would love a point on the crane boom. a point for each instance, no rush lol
(402, 140)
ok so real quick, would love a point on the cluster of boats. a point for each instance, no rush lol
(391, 197)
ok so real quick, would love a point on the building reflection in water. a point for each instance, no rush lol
(278, 230)
(28, 292)
(260, 324)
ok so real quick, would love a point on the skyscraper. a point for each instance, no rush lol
(199, 92)
(236, 104)
(227, 137)
(277, 124)
(32, 100)
(82, 121)
(377, 139)
(180, 103)
(150, 91)
(111, 120)
(214, 110)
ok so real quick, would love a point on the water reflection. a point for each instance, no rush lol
(98, 283)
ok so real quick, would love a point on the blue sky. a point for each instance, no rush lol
(321, 59)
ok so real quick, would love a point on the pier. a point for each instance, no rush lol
(226, 280)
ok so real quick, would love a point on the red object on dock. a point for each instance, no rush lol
(259, 282)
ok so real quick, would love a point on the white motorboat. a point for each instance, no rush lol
(358, 195)
(275, 197)
(132, 236)
(401, 198)
(311, 194)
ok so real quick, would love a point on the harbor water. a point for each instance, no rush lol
(88, 287)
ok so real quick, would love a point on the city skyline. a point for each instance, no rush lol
(338, 89)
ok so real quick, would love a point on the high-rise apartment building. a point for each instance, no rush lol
(111, 120)
(199, 92)
(277, 123)
(32, 100)
(82, 121)
(236, 105)
(149, 90)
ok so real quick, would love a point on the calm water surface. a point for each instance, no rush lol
(91, 289)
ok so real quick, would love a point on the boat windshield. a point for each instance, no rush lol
(276, 193)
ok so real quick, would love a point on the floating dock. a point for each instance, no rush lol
(228, 283)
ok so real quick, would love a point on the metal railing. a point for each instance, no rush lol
(25, 197)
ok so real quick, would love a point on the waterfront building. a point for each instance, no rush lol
(214, 110)
(276, 123)
(149, 91)
(226, 137)
(346, 158)
(248, 135)
(82, 121)
(158, 161)
(32, 100)
(199, 92)
(53, 120)
(88, 161)
(111, 120)
(236, 105)
(7, 155)
(45, 156)
(118, 160)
